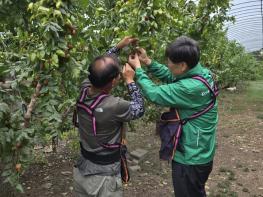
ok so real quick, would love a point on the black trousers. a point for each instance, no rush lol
(189, 180)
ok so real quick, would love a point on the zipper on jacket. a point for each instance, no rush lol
(197, 140)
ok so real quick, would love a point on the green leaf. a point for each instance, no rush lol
(19, 188)
(75, 73)
(7, 159)
(43, 9)
(33, 57)
(4, 108)
(55, 60)
(41, 54)
(60, 53)
(83, 3)
(30, 6)
(44, 90)
(6, 173)
(100, 9)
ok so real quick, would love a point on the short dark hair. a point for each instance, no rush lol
(100, 77)
(184, 49)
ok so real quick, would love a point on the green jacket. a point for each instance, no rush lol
(187, 96)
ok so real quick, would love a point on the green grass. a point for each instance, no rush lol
(228, 172)
(72, 139)
(223, 190)
(255, 91)
(251, 96)
(260, 116)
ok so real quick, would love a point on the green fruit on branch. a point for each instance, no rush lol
(30, 6)
(43, 9)
(58, 4)
(60, 53)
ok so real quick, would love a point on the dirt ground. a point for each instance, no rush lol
(238, 164)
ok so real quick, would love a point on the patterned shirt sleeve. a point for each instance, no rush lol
(113, 51)
(136, 104)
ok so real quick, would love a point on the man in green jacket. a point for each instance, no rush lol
(192, 166)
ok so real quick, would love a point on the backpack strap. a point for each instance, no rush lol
(83, 95)
(89, 109)
(214, 91)
(75, 118)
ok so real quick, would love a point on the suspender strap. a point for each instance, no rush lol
(85, 107)
(83, 94)
(75, 118)
(89, 109)
(214, 91)
(97, 101)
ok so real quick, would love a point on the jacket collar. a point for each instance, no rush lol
(197, 70)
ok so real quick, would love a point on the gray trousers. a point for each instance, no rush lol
(96, 186)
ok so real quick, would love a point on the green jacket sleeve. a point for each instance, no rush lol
(161, 72)
(168, 95)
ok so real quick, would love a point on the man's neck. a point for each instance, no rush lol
(94, 90)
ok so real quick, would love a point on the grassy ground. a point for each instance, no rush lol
(239, 158)
(249, 97)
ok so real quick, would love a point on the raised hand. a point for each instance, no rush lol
(126, 41)
(143, 57)
(128, 73)
(134, 61)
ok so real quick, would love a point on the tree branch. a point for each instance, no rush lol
(31, 105)
(6, 85)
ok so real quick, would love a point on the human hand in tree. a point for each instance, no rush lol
(126, 41)
(128, 73)
(134, 61)
(143, 57)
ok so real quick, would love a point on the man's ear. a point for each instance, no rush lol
(114, 82)
(184, 67)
